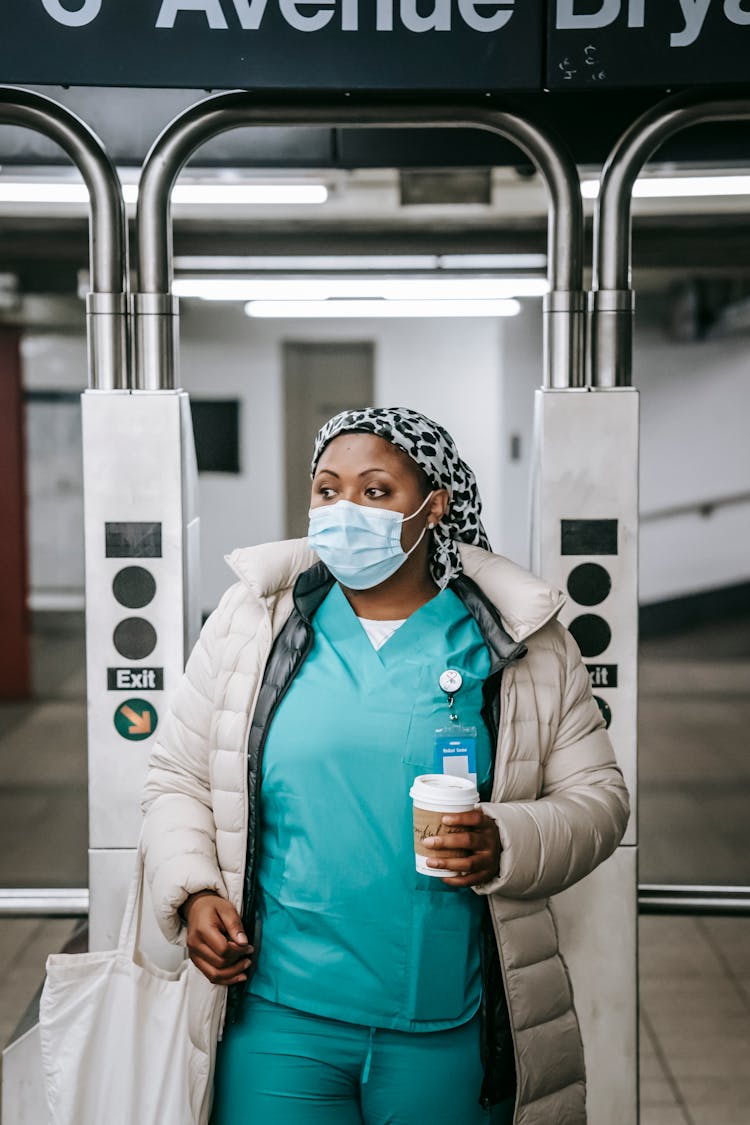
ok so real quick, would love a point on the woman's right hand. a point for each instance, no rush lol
(216, 942)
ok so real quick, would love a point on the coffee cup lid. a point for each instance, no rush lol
(444, 792)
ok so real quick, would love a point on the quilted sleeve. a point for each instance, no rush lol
(179, 834)
(582, 811)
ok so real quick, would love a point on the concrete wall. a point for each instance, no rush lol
(695, 403)
(449, 370)
(476, 377)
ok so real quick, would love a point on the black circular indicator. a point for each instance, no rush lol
(605, 709)
(135, 638)
(589, 584)
(591, 632)
(134, 586)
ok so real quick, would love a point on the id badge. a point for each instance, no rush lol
(456, 751)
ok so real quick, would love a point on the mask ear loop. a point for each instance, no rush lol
(429, 496)
(428, 526)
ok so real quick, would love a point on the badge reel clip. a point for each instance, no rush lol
(455, 743)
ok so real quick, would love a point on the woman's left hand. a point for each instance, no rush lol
(479, 837)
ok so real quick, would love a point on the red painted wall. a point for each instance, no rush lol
(15, 664)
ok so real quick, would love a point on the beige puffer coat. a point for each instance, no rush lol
(559, 799)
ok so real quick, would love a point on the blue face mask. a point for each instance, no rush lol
(361, 546)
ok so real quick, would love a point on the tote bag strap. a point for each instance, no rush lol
(129, 941)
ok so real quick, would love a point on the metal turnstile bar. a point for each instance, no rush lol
(652, 899)
(656, 899)
(106, 304)
(30, 902)
(611, 299)
(154, 309)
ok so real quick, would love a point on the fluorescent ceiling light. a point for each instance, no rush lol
(678, 187)
(224, 194)
(315, 264)
(216, 195)
(34, 192)
(493, 261)
(384, 288)
(353, 262)
(294, 310)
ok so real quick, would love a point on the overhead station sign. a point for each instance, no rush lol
(450, 45)
(595, 44)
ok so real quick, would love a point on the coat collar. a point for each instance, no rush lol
(525, 602)
(270, 568)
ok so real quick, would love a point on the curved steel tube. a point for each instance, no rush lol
(215, 115)
(107, 303)
(692, 900)
(44, 902)
(612, 297)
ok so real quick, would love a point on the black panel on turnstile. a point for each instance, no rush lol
(588, 537)
(132, 540)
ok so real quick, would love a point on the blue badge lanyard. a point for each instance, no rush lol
(456, 742)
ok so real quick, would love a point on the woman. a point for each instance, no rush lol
(277, 806)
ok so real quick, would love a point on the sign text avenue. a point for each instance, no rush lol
(276, 44)
(485, 16)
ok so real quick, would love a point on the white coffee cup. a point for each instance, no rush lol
(436, 795)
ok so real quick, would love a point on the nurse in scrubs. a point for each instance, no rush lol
(368, 995)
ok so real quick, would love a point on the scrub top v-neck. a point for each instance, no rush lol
(350, 930)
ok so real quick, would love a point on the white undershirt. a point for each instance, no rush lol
(379, 631)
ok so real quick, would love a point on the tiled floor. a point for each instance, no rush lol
(694, 827)
(695, 1021)
(694, 757)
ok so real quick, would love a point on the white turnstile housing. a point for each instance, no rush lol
(140, 516)
(142, 613)
(584, 540)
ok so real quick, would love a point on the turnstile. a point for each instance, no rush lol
(141, 584)
(22, 1094)
(142, 618)
(585, 538)
(585, 541)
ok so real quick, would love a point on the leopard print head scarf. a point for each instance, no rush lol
(434, 450)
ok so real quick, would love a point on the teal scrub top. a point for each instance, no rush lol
(351, 931)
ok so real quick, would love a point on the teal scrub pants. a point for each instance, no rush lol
(280, 1066)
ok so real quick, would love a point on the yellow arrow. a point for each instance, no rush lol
(141, 723)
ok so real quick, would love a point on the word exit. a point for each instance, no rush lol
(602, 675)
(135, 679)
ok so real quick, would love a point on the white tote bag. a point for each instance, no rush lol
(123, 1041)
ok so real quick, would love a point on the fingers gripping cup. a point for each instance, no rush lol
(436, 795)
